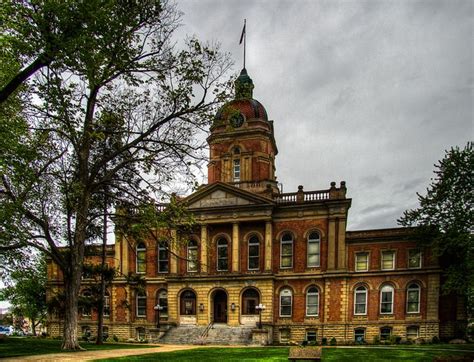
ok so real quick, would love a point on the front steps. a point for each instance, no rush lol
(220, 334)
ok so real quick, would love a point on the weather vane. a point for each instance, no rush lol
(243, 37)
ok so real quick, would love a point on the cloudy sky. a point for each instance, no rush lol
(370, 92)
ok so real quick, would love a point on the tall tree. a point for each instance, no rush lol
(444, 219)
(26, 292)
(114, 117)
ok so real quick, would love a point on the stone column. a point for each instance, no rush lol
(173, 251)
(268, 245)
(341, 241)
(235, 248)
(204, 247)
(332, 244)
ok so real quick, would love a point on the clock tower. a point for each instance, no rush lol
(242, 143)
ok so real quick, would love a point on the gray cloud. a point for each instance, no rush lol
(370, 92)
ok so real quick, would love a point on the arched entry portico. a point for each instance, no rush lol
(219, 306)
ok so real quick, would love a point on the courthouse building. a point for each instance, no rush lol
(257, 252)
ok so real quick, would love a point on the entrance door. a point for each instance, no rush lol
(220, 307)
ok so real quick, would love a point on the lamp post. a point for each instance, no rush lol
(158, 308)
(260, 309)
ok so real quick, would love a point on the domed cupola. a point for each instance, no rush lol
(243, 107)
(242, 145)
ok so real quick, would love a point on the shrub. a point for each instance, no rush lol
(115, 338)
(333, 341)
(324, 341)
(395, 339)
(435, 340)
(376, 340)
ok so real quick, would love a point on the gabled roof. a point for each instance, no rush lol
(220, 194)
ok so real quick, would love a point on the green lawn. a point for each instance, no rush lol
(409, 353)
(20, 346)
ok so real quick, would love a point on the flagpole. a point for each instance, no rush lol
(245, 38)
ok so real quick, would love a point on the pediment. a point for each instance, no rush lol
(221, 195)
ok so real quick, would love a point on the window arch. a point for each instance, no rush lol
(286, 302)
(286, 251)
(254, 253)
(313, 249)
(386, 299)
(141, 257)
(222, 254)
(192, 256)
(312, 302)
(162, 301)
(360, 300)
(188, 303)
(413, 298)
(141, 304)
(163, 258)
(250, 299)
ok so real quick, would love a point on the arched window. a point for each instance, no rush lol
(250, 299)
(141, 258)
(192, 256)
(360, 300)
(413, 298)
(286, 301)
(188, 303)
(162, 301)
(141, 304)
(222, 255)
(312, 302)
(313, 253)
(386, 299)
(86, 303)
(286, 251)
(254, 253)
(107, 304)
(163, 260)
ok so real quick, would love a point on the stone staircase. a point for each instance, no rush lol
(220, 334)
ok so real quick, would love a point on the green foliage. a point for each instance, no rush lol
(333, 341)
(444, 219)
(376, 340)
(324, 341)
(26, 291)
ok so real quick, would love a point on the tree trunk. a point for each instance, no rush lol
(33, 327)
(71, 289)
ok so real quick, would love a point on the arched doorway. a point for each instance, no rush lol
(220, 306)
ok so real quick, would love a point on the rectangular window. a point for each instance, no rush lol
(141, 306)
(414, 258)
(163, 263)
(254, 251)
(192, 259)
(388, 260)
(362, 262)
(236, 170)
(311, 336)
(286, 255)
(284, 335)
(385, 333)
(106, 305)
(359, 335)
(360, 306)
(222, 259)
(412, 332)
(313, 253)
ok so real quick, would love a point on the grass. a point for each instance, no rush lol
(21, 346)
(398, 353)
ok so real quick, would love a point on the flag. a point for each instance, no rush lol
(243, 34)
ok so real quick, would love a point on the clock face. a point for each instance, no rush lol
(236, 120)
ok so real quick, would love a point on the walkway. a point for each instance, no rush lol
(109, 353)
